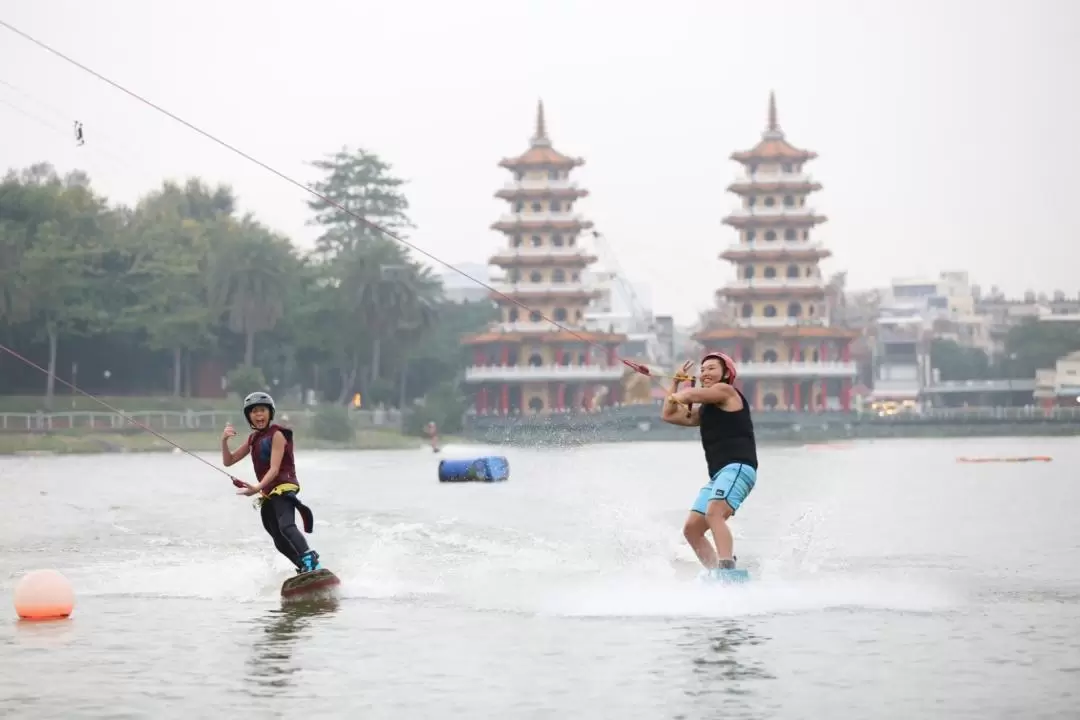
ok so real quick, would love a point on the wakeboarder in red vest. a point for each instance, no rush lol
(271, 449)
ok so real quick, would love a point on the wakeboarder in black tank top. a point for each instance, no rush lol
(722, 413)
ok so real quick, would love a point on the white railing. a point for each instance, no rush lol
(1029, 413)
(776, 283)
(540, 184)
(752, 370)
(775, 322)
(536, 288)
(776, 177)
(774, 211)
(535, 217)
(183, 420)
(774, 246)
(528, 327)
(1009, 384)
(545, 251)
(543, 373)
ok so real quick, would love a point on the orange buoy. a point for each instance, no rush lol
(44, 595)
(1031, 458)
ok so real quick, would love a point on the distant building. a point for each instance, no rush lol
(1060, 386)
(774, 319)
(1004, 314)
(901, 354)
(460, 289)
(902, 321)
(624, 307)
(948, 305)
(665, 336)
(615, 306)
(911, 314)
(525, 363)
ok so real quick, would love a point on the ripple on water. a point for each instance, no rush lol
(566, 592)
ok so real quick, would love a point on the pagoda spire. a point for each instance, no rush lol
(773, 130)
(540, 137)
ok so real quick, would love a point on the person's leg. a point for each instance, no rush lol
(285, 513)
(270, 524)
(730, 487)
(695, 527)
(716, 517)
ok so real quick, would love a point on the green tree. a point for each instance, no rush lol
(168, 245)
(179, 277)
(392, 297)
(437, 365)
(308, 334)
(360, 182)
(1035, 345)
(444, 405)
(382, 300)
(57, 256)
(249, 268)
(956, 362)
(13, 244)
(438, 356)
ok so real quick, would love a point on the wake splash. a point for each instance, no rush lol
(174, 571)
(481, 568)
(508, 571)
(629, 597)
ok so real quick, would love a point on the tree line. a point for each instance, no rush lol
(143, 299)
(1029, 346)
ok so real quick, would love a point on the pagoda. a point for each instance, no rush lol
(526, 363)
(777, 328)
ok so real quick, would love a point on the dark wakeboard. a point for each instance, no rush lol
(309, 583)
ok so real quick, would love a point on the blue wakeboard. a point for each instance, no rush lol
(725, 576)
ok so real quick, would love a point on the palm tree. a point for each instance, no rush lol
(392, 296)
(251, 266)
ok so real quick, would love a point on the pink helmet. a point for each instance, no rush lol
(727, 362)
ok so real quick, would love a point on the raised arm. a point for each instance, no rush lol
(229, 457)
(674, 412)
(720, 394)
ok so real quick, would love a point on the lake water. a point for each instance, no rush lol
(889, 582)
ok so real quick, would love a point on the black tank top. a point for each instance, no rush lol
(728, 437)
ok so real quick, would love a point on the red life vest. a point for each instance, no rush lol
(261, 444)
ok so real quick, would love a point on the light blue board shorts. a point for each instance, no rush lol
(731, 483)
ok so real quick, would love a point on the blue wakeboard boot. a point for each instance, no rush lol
(310, 561)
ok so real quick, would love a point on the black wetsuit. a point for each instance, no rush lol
(279, 510)
(279, 519)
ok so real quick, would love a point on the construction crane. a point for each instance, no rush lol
(626, 288)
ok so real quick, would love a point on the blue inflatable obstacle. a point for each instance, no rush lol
(485, 469)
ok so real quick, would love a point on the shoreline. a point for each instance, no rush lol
(101, 443)
(537, 436)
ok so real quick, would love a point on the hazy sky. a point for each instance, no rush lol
(947, 130)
